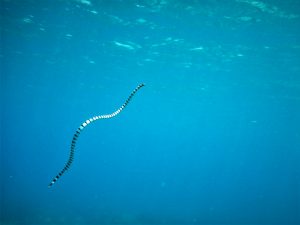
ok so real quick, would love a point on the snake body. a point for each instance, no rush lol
(82, 126)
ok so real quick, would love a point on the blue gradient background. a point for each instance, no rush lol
(213, 137)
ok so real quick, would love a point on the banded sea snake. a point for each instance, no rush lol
(82, 126)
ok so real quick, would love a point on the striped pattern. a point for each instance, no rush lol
(82, 126)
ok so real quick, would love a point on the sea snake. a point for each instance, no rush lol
(83, 125)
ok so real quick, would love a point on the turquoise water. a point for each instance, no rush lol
(212, 138)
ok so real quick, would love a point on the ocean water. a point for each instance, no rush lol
(212, 138)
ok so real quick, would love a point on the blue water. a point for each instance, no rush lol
(213, 137)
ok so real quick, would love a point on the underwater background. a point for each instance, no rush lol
(212, 138)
